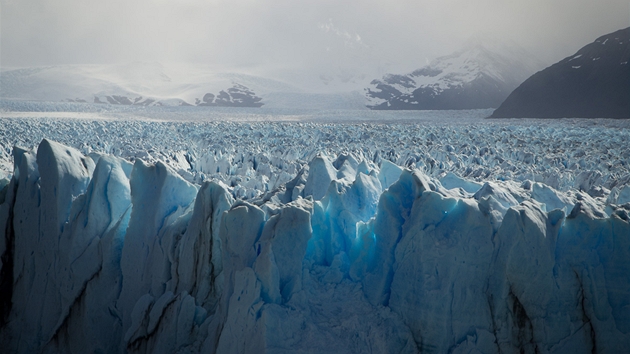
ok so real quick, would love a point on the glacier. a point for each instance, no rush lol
(107, 249)
(181, 230)
(254, 154)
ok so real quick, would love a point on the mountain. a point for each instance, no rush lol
(156, 84)
(481, 75)
(592, 83)
(138, 83)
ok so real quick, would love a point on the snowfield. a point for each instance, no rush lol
(215, 230)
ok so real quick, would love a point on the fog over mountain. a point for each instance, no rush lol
(324, 45)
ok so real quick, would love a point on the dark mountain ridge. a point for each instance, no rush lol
(592, 83)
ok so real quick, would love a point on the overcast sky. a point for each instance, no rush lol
(397, 36)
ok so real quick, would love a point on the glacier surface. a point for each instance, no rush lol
(313, 237)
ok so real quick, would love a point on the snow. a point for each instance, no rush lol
(310, 236)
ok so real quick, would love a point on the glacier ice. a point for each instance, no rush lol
(366, 221)
(347, 255)
(253, 157)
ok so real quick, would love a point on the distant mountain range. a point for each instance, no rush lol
(140, 83)
(156, 84)
(592, 83)
(481, 75)
(236, 96)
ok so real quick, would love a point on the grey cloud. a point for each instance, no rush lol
(244, 34)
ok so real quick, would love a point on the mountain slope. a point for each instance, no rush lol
(592, 83)
(480, 75)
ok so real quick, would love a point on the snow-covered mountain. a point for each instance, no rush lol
(592, 83)
(138, 83)
(480, 75)
(156, 84)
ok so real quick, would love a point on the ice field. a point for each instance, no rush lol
(166, 229)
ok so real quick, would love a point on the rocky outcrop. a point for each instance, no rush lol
(236, 96)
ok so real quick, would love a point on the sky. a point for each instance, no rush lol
(324, 36)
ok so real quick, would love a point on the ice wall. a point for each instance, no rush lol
(99, 255)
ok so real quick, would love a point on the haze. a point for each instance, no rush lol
(283, 36)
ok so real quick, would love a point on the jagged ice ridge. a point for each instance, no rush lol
(350, 255)
(254, 158)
